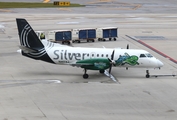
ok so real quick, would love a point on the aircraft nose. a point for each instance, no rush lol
(159, 63)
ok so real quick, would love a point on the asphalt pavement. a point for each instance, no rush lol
(32, 89)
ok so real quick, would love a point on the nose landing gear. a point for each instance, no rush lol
(147, 74)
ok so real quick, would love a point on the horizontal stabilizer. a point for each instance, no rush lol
(27, 49)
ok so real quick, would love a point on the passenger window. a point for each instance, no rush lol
(102, 55)
(97, 55)
(88, 55)
(142, 55)
(106, 55)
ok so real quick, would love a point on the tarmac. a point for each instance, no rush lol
(35, 90)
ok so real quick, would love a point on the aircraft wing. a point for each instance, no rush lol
(93, 63)
(81, 64)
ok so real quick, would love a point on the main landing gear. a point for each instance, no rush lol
(101, 71)
(147, 74)
(85, 76)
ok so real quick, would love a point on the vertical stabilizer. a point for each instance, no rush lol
(28, 37)
(31, 46)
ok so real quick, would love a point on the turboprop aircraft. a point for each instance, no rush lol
(86, 58)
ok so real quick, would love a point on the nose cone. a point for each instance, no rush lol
(159, 63)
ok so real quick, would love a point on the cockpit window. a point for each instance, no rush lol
(149, 55)
(146, 55)
(142, 55)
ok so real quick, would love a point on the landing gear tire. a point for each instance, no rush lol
(85, 76)
(147, 74)
(101, 71)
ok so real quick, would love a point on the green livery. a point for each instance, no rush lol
(94, 63)
(104, 63)
(127, 59)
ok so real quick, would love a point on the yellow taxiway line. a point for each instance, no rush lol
(46, 1)
(5, 10)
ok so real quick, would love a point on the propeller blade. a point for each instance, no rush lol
(111, 61)
(110, 68)
(112, 56)
(127, 46)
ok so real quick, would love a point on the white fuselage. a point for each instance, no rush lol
(62, 54)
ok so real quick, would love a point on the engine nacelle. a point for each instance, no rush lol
(95, 63)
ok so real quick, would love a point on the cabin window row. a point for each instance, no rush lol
(98, 55)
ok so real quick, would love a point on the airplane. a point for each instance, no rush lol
(87, 58)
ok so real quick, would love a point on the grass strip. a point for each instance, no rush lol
(33, 5)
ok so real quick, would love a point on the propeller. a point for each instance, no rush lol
(111, 61)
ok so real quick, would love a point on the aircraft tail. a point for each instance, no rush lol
(31, 46)
(28, 37)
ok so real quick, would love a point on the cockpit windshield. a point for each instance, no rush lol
(149, 55)
(142, 55)
(146, 55)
